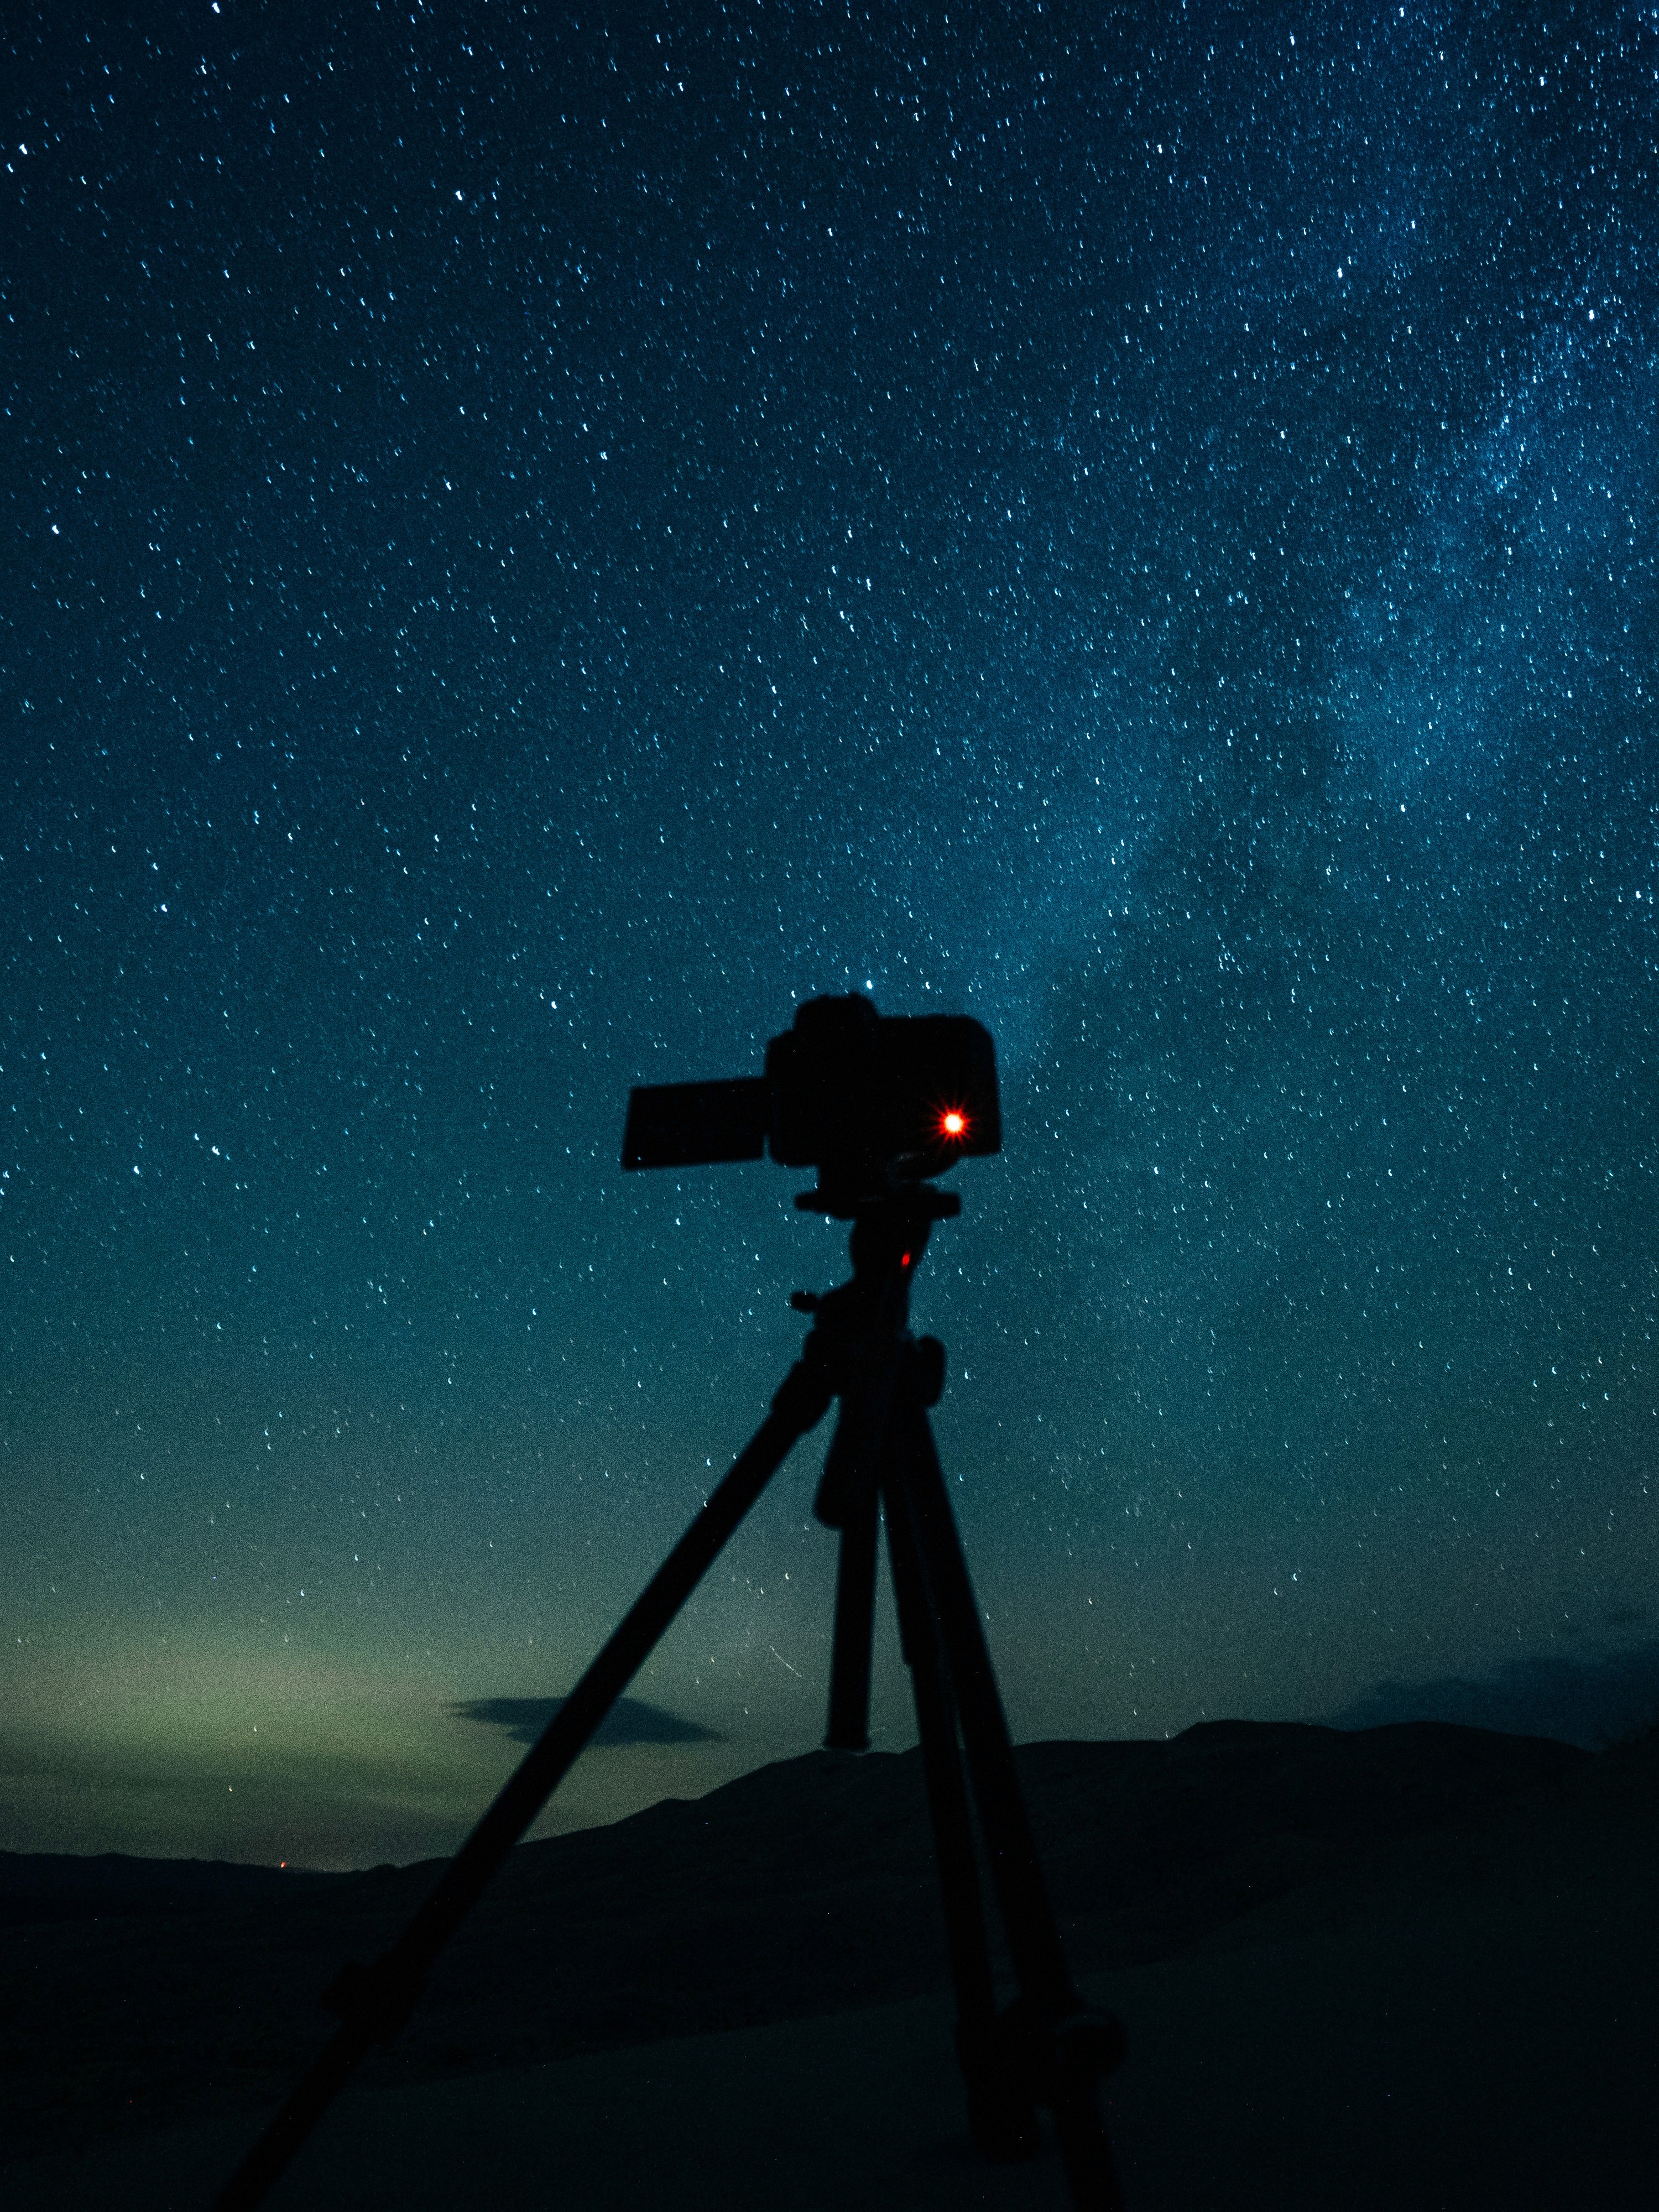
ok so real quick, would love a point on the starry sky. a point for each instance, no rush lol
(535, 541)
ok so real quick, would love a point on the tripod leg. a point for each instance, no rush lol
(374, 2001)
(855, 1621)
(1066, 2047)
(848, 1499)
(1003, 2122)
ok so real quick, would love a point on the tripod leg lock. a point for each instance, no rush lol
(376, 2000)
(1045, 2060)
(1089, 2045)
(1001, 2105)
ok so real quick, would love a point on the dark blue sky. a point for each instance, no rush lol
(534, 543)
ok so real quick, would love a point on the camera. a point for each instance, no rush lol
(866, 1099)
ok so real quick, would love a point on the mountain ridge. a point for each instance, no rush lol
(805, 1887)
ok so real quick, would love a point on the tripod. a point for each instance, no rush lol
(1047, 2048)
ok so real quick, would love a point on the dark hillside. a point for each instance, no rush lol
(149, 1992)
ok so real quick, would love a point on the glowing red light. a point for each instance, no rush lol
(953, 1123)
(904, 1259)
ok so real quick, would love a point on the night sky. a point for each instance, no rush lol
(535, 542)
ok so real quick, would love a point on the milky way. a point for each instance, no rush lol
(533, 545)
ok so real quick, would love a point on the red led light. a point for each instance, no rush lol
(953, 1123)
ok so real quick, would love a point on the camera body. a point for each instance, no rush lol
(867, 1099)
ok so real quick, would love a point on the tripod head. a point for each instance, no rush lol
(890, 1235)
(860, 1332)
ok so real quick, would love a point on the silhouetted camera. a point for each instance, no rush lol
(847, 1090)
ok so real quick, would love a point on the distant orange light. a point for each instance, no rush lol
(953, 1123)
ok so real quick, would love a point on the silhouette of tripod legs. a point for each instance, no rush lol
(1048, 2048)
(1002, 2121)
